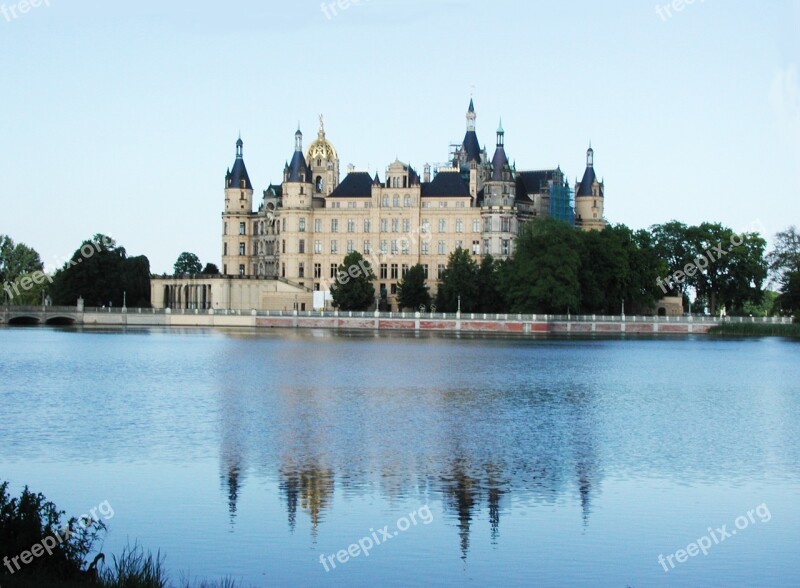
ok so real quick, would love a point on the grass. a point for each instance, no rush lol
(756, 330)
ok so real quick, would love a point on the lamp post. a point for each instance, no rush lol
(124, 301)
(459, 304)
(623, 308)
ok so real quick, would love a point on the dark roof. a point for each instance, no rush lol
(446, 184)
(274, 190)
(238, 173)
(499, 161)
(297, 167)
(589, 178)
(471, 105)
(534, 182)
(354, 185)
(471, 146)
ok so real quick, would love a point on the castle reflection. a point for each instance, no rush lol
(476, 454)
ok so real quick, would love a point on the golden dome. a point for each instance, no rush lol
(321, 148)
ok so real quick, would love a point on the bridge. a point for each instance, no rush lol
(523, 324)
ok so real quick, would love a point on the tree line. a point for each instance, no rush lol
(557, 269)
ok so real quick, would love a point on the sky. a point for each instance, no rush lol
(122, 118)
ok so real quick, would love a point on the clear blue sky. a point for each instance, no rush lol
(122, 117)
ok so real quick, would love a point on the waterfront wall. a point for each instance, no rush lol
(510, 324)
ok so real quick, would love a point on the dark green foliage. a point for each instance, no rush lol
(756, 330)
(543, 276)
(101, 273)
(187, 264)
(353, 289)
(210, 270)
(26, 521)
(460, 279)
(490, 296)
(412, 292)
(789, 299)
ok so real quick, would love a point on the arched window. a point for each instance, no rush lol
(396, 201)
(319, 184)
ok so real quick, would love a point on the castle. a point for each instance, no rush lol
(286, 254)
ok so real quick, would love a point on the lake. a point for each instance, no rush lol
(317, 458)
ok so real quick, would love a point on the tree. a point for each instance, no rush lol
(459, 282)
(412, 292)
(785, 255)
(671, 244)
(101, 273)
(17, 260)
(210, 270)
(543, 275)
(789, 299)
(490, 297)
(187, 264)
(353, 289)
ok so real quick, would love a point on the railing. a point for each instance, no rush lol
(531, 318)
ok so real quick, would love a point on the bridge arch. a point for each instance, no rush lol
(60, 321)
(23, 321)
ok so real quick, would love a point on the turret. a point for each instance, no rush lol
(236, 220)
(589, 197)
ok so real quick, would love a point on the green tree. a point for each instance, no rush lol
(672, 245)
(789, 299)
(785, 255)
(101, 273)
(460, 280)
(543, 274)
(187, 264)
(210, 270)
(490, 296)
(412, 291)
(353, 289)
(17, 261)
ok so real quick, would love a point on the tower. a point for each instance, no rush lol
(236, 232)
(295, 217)
(498, 212)
(324, 163)
(589, 196)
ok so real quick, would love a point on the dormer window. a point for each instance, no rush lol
(244, 183)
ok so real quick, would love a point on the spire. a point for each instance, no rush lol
(586, 187)
(501, 134)
(377, 180)
(471, 116)
(321, 133)
(590, 156)
(237, 176)
(239, 146)
(298, 139)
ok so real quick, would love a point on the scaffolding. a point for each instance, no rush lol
(562, 203)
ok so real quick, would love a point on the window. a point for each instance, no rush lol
(442, 225)
(425, 270)
(242, 249)
(442, 204)
(394, 247)
(283, 228)
(394, 271)
(393, 289)
(334, 205)
(334, 270)
(367, 225)
(505, 224)
(487, 225)
(368, 205)
(283, 246)
(241, 270)
(406, 225)
(317, 246)
(459, 226)
(367, 247)
(440, 271)
(351, 225)
(242, 229)
(476, 225)
(506, 246)
(395, 225)
(426, 205)
(301, 270)
(384, 271)
(476, 247)
(302, 225)
(334, 225)
(385, 202)
(459, 244)
(334, 246)
(302, 246)
(407, 201)
(424, 248)
(352, 204)
(224, 249)
(317, 225)
(283, 270)
(460, 204)
(384, 246)
(384, 225)
(317, 270)
(396, 201)
(426, 226)
(225, 228)
(442, 248)
(404, 246)
(486, 246)
(350, 246)
(404, 270)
